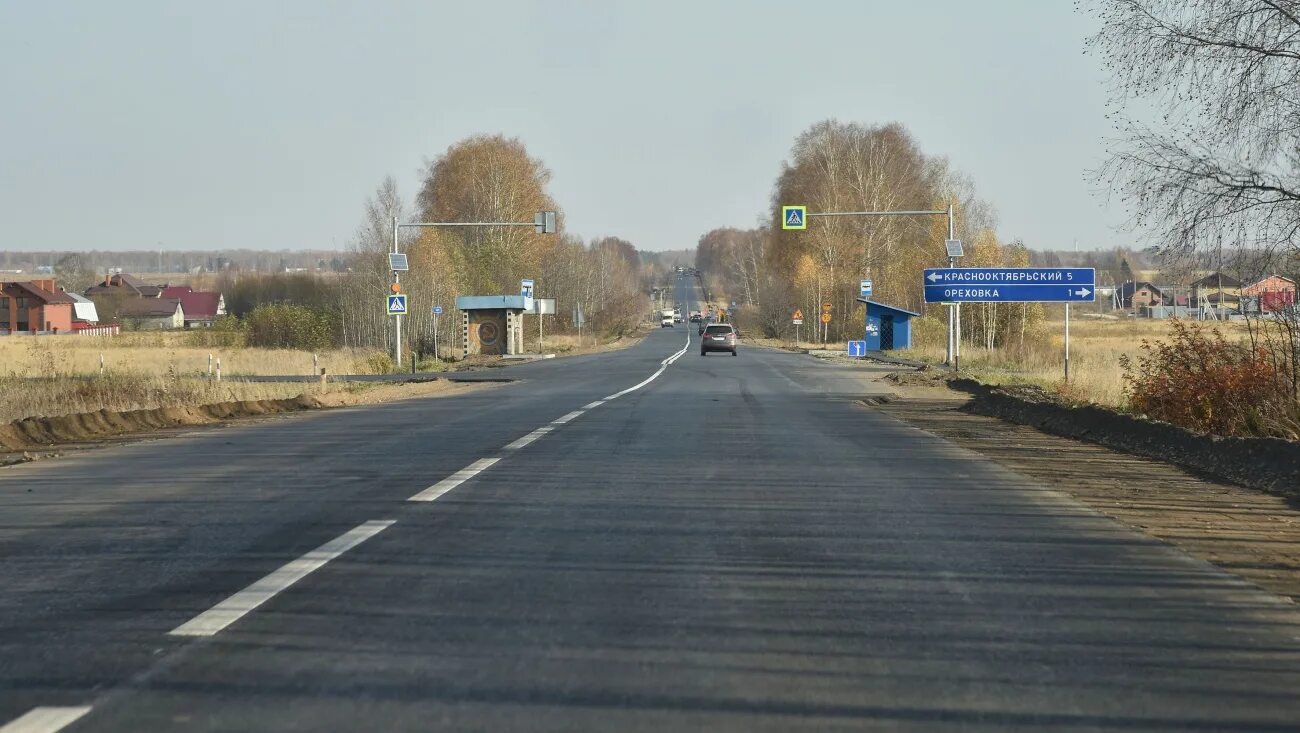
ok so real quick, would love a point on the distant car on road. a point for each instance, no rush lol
(665, 321)
(718, 337)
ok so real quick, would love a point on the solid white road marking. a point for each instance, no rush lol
(45, 720)
(567, 418)
(235, 607)
(593, 405)
(662, 366)
(454, 480)
(520, 443)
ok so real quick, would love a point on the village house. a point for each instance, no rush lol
(202, 308)
(1217, 289)
(123, 284)
(1270, 294)
(34, 306)
(1139, 294)
(151, 314)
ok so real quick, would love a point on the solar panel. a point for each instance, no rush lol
(397, 262)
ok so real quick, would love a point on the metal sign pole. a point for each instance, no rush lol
(544, 222)
(955, 314)
(397, 322)
(1067, 343)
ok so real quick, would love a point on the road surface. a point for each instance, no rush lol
(640, 540)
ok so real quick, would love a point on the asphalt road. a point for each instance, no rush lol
(733, 544)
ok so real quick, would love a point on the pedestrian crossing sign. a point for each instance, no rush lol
(397, 305)
(794, 217)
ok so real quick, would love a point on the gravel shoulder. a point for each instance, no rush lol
(1247, 532)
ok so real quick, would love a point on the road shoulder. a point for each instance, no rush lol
(1250, 533)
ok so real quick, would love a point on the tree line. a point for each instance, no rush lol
(836, 166)
(484, 178)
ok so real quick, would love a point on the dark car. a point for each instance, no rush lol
(718, 337)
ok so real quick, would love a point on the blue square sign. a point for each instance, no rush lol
(857, 348)
(397, 305)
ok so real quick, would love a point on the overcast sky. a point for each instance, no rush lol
(266, 124)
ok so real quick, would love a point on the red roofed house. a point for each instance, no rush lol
(34, 306)
(202, 308)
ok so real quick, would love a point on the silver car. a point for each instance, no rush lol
(718, 337)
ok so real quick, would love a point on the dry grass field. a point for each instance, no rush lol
(161, 353)
(1095, 350)
(60, 375)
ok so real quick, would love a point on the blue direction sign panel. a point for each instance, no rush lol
(857, 348)
(397, 305)
(437, 310)
(1010, 285)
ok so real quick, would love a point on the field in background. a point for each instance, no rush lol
(60, 375)
(163, 353)
(1095, 350)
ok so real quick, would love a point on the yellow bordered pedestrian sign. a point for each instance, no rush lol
(794, 217)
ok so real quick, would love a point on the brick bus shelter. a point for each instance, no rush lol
(492, 325)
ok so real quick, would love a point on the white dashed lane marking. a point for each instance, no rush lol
(45, 720)
(456, 479)
(235, 607)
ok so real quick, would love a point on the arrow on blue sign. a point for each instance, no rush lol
(1010, 285)
(857, 348)
(437, 310)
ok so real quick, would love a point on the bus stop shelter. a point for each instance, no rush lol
(888, 327)
(492, 325)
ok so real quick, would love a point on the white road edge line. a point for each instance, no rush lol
(662, 366)
(235, 607)
(454, 480)
(529, 438)
(568, 417)
(45, 720)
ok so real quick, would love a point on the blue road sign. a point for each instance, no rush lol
(1010, 285)
(437, 310)
(397, 305)
(794, 217)
(857, 348)
(864, 289)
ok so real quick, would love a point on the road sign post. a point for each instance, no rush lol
(544, 222)
(1013, 285)
(952, 244)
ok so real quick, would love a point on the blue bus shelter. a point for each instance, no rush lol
(887, 327)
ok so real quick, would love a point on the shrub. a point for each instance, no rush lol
(1201, 381)
(227, 332)
(376, 362)
(284, 326)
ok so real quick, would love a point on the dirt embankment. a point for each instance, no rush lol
(35, 433)
(1269, 464)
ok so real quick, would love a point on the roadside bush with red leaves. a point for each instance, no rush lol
(1201, 381)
